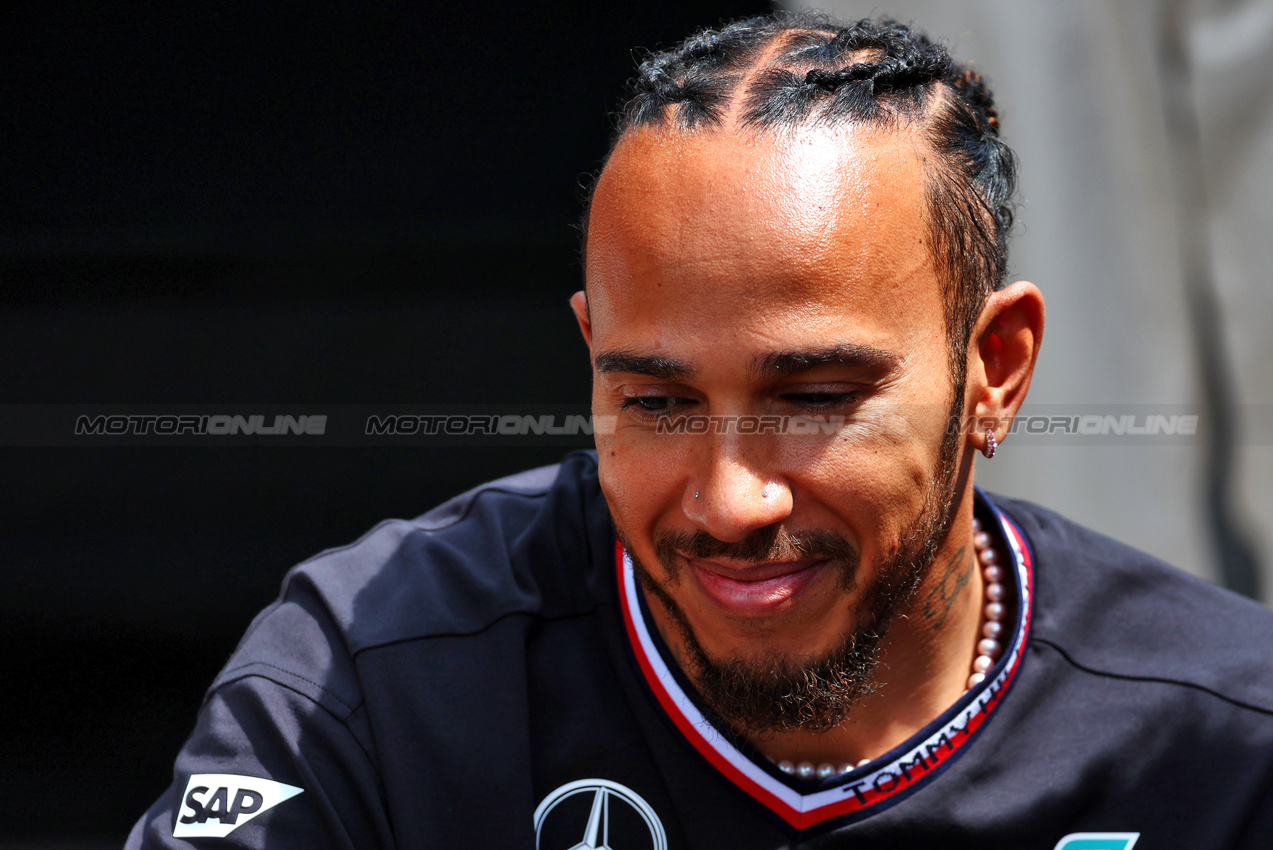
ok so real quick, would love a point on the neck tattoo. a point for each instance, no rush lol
(989, 647)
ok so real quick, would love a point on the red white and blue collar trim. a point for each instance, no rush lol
(799, 804)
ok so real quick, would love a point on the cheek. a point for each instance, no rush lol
(612, 460)
(637, 481)
(874, 488)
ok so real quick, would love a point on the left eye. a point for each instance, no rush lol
(651, 403)
(654, 403)
(821, 399)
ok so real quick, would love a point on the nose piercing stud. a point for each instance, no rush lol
(695, 494)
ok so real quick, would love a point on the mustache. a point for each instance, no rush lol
(771, 543)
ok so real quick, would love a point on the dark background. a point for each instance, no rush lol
(255, 204)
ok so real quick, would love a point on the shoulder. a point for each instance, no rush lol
(1114, 611)
(532, 544)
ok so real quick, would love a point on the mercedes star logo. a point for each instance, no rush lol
(606, 798)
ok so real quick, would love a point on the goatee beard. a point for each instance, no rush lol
(758, 696)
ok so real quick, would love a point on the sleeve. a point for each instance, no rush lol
(269, 766)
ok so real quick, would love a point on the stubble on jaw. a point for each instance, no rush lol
(760, 696)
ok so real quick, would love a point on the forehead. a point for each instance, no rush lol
(724, 225)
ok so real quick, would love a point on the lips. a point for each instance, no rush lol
(756, 588)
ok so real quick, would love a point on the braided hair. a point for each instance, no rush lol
(875, 73)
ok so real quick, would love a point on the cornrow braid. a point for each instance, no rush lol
(873, 73)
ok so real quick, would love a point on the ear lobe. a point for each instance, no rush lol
(579, 304)
(1002, 354)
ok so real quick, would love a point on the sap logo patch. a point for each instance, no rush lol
(216, 804)
(1098, 841)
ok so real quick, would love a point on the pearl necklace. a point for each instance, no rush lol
(988, 646)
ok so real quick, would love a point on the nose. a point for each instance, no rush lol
(735, 493)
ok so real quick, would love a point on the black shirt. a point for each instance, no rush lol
(486, 676)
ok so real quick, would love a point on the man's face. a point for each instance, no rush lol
(749, 277)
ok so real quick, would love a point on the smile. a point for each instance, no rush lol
(757, 588)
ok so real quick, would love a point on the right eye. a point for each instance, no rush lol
(654, 405)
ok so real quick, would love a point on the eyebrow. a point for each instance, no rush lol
(780, 363)
(663, 368)
(774, 364)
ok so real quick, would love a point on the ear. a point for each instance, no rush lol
(579, 303)
(1001, 357)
